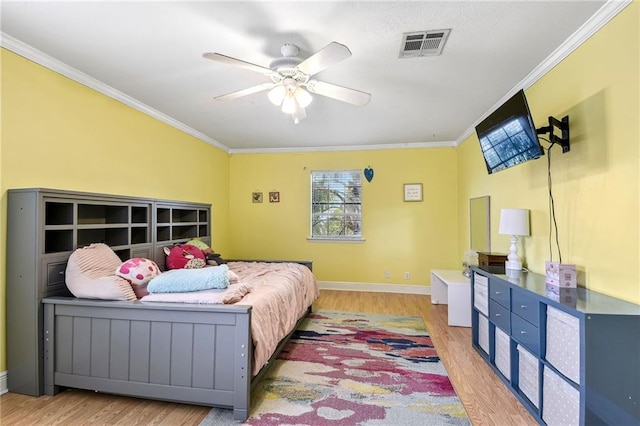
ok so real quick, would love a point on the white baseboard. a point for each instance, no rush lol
(375, 287)
(3, 382)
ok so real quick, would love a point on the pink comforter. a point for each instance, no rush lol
(280, 295)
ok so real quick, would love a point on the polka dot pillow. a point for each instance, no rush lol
(138, 271)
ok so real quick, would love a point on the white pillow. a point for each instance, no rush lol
(90, 274)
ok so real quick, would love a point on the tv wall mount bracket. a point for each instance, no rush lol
(563, 127)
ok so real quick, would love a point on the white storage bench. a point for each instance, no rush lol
(449, 287)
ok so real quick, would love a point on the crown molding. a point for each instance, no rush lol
(376, 147)
(607, 12)
(39, 57)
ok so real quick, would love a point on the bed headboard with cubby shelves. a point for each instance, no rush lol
(44, 226)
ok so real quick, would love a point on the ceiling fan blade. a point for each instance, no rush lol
(329, 55)
(340, 93)
(245, 92)
(236, 62)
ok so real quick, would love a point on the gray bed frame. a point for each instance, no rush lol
(195, 354)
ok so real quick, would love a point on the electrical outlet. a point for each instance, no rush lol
(387, 274)
(407, 276)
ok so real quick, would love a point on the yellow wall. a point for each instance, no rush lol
(57, 133)
(400, 236)
(596, 185)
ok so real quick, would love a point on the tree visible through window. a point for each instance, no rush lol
(336, 204)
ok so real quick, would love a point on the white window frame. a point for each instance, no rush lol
(352, 237)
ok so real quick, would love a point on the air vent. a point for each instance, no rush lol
(423, 43)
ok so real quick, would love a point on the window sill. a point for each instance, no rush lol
(355, 240)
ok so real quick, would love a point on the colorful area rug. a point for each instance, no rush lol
(345, 368)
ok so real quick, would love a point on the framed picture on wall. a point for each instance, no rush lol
(274, 197)
(412, 192)
(257, 197)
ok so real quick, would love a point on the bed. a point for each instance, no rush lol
(203, 354)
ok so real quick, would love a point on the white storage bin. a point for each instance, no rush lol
(528, 374)
(481, 293)
(563, 343)
(483, 333)
(560, 400)
(503, 353)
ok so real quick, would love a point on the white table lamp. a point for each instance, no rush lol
(514, 222)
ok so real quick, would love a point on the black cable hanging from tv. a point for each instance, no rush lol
(553, 224)
(563, 141)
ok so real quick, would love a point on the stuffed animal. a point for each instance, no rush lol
(213, 258)
(138, 271)
(184, 256)
(197, 242)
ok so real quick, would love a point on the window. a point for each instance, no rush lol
(336, 204)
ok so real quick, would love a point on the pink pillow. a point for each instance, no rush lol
(138, 271)
(90, 274)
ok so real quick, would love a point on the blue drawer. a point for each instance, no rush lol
(525, 333)
(499, 292)
(525, 307)
(499, 315)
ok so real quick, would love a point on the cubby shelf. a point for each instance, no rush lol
(571, 356)
(44, 226)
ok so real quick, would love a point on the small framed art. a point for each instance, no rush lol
(274, 197)
(256, 197)
(412, 192)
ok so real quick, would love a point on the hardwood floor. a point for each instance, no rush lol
(485, 397)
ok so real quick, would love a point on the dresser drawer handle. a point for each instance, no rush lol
(497, 292)
(523, 332)
(61, 272)
(523, 306)
(497, 315)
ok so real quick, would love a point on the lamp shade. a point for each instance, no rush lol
(277, 94)
(514, 222)
(289, 104)
(303, 97)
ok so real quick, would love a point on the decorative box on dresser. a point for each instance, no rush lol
(571, 356)
(486, 259)
(44, 226)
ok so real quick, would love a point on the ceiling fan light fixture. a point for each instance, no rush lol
(303, 97)
(299, 114)
(291, 88)
(277, 95)
(289, 104)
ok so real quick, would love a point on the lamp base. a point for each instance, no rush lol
(513, 265)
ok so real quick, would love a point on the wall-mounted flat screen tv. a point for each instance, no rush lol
(507, 136)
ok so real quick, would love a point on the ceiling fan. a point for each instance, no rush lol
(291, 79)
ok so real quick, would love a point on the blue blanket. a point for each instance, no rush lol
(186, 280)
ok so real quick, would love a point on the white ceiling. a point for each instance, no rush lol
(149, 55)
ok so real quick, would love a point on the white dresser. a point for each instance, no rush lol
(449, 287)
